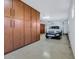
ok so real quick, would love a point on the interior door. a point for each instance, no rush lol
(34, 25)
(8, 43)
(27, 24)
(18, 20)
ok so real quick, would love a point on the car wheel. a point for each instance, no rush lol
(59, 37)
(47, 36)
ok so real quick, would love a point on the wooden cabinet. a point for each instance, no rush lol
(21, 25)
(34, 29)
(18, 19)
(38, 25)
(27, 24)
(42, 28)
(8, 42)
(7, 8)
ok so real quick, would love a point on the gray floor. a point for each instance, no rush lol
(44, 49)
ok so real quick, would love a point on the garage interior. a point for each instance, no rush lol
(27, 24)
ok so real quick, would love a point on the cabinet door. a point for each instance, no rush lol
(34, 25)
(38, 26)
(27, 24)
(7, 8)
(18, 20)
(42, 28)
(8, 43)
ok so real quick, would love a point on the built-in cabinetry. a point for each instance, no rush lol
(8, 29)
(18, 23)
(42, 28)
(27, 24)
(21, 25)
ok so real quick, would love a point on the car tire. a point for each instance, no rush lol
(59, 37)
(47, 36)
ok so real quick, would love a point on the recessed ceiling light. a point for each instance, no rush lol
(46, 17)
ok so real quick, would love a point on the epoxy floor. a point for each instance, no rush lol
(44, 49)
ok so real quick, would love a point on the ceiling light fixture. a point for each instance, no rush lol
(46, 17)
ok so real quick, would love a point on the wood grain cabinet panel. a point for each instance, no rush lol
(21, 25)
(8, 42)
(33, 17)
(38, 26)
(42, 28)
(27, 24)
(18, 19)
(7, 8)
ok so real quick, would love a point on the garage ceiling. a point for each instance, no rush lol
(51, 9)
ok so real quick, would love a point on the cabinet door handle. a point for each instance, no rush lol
(14, 23)
(10, 23)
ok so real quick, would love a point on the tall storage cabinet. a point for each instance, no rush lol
(38, 26)
(35, 25)
(18, 23)
(21, 25)
(8, 46)
(27, 24)
(34, 18)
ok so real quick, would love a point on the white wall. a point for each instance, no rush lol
(71, 31)
(62, 23)
(65, 26)
(56, 23)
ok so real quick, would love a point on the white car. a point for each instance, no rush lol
(54, 32)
